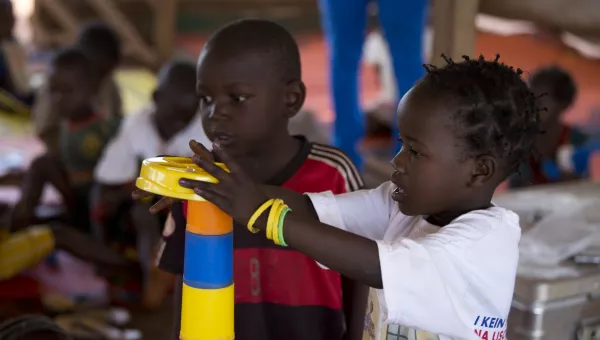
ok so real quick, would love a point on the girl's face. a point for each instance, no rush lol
(433, 174)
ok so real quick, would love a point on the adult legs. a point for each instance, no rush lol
(344, 22)
(403, 23)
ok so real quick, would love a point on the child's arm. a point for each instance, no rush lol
(365, 213)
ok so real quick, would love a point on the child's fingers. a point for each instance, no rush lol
(210, 167)
(139, 194)
(162, 204)
(200, 150)
(189, 183)
(224, 157)
(211, 195)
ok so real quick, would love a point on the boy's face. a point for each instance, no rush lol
(102, 63)
(241, 101)
(70, 93)
(432, 174)
(176, 106)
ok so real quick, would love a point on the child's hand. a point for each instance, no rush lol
(200, 152)
(236, 194)
(162, 204)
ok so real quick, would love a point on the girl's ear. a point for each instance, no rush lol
(484, 169)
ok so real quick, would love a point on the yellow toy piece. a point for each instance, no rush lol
(160, 175)
(24, 249)
(209, 305)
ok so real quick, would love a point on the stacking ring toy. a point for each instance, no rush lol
(208, 298)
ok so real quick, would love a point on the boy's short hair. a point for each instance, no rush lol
(495, 112)
(100, 38)
(558, 82)
(73, 58)
(248, 35)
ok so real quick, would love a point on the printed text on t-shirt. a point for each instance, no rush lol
(490, 328)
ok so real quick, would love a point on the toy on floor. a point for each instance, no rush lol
(23, 249)
(208, 297)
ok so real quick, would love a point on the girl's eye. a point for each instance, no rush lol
(414, 153)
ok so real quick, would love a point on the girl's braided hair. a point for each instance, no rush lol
(497, 113)
(30, 327)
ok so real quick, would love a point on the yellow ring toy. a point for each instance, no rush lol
(208, 290)
(161, 175)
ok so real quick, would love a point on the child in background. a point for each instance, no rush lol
(84, 132)
(557, 92)
(165, 127)
(14, 78)
(249, 83)
(103, 48)
(442, 257)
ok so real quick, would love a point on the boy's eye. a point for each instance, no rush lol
(206, 99)
(240, 98)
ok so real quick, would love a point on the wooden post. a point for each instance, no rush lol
(61, 13)
(454, 29)
(165, 17)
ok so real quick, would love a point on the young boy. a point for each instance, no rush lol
(250, 85)
(557, 92)
(103, 48)
(442, 257)
(72, 85)
(165, 127)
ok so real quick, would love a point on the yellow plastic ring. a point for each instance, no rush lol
(161, 175)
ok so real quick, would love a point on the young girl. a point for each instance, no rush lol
(442, 257)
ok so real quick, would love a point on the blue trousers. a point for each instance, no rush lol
(344, 22)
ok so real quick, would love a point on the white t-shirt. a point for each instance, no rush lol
(138, 139)
(455, 282)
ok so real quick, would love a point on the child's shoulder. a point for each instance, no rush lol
(333, 162)
(479, 224)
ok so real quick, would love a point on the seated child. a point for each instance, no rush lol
(103, 48)
(441, 256)
(15, 93)
(165, 127)
(557, 92)
(250, 85)
(84, 132)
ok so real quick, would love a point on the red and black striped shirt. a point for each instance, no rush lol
(281, 293)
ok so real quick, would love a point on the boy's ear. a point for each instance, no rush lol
(294, 96)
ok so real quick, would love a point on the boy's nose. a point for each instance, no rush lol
(219, 111)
